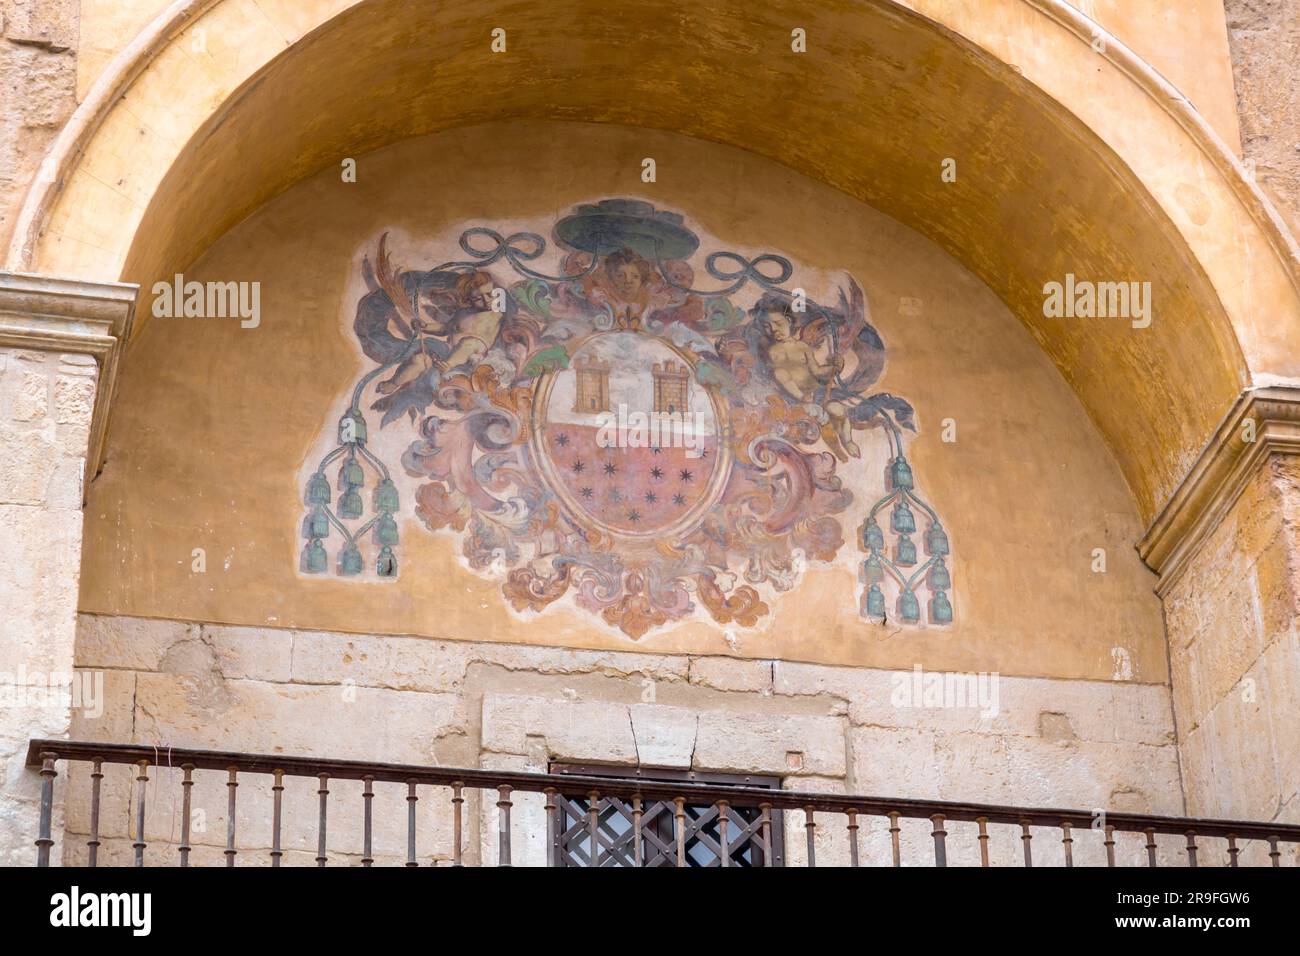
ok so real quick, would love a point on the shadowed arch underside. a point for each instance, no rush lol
(191, 142)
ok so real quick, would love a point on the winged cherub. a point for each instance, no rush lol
(793, 346)
(453, 326)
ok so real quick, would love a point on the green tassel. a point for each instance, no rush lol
(386, 496)
(386, 564)
(352, 428)
(936, 542)
(902, 520)
(905, 553)
(909, 609)
(386, 529)
(351, 475)
(350, 560)
(314, 559)
(316, 524)
(939, 579)
(318, 490)
(350, 504)
(873, 604)
(900, 474)
(872, 572)
(940, 609)
(873, 539)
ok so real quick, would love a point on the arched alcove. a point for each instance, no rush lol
(1054, 177)
(211, 415)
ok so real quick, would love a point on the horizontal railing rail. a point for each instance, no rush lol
(44, 754)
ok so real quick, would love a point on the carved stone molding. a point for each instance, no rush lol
(71, 316)
(1220, 475)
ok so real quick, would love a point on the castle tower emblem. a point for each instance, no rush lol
(592, 394)
(671, 384)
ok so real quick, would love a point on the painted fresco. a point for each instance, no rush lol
(623, 423)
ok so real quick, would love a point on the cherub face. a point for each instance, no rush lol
(480, 294)
(626, 279)
(778, 326)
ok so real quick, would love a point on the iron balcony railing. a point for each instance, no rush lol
(632, 794)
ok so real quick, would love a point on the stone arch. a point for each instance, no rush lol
(222, 104)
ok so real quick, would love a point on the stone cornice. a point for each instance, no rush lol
(71, 316)
(1220, 475)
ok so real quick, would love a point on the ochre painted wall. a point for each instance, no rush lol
(214, 423)
(1184, 39)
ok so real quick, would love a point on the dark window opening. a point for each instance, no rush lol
(571, 835)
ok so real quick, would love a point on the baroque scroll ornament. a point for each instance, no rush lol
(615, 433)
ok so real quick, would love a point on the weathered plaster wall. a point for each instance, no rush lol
(214, 422)
(45, 407)
(1095, 744)
(1264, 36)
(1187, 42)
(1235, 657)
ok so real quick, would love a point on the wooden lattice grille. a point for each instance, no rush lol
(701, 824)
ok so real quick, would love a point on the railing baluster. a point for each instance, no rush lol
(457, 801)
(593, 827)
(503, 826)
(367, 843)
(1025, 838)
(1273, 854)
(324, 793)
(44, 838)
(1067, 842)
(679, 817)
(984, 840)
(552, 827)
(141, 782)
(725, 858)
(637, 849)
(767, 833)
(231, 784)
(810, 831)
(1151, 847)
(1110, 845)
(411, 798)
(1191, 848)
(1232, 849)
(853, 837)
(92, 845)
(276, 790)
(893, 837)
(187, 784)
(940, 850)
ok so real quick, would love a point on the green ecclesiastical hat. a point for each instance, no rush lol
(614, 224)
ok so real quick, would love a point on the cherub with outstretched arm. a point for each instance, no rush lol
(469, 332)
(791, 353)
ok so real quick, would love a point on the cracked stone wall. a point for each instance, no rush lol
(1091, 744)
(1264, 39)
(46, 401)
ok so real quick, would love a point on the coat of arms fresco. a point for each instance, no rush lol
(623, 433)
